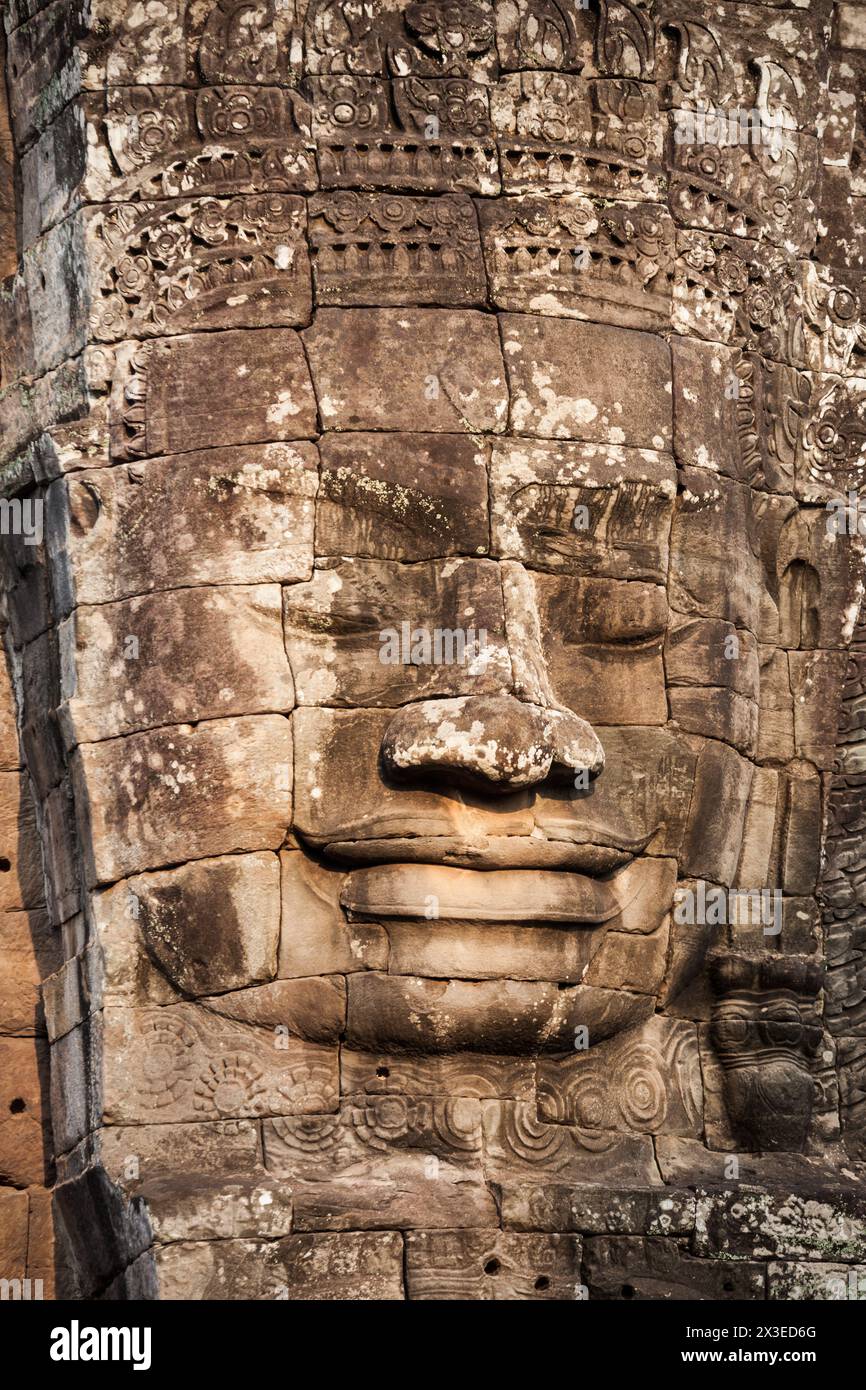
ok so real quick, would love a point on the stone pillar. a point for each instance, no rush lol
(437, 433)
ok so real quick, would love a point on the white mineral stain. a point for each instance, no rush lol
(282, 408)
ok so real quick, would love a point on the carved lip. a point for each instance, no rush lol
(467, 895)
(436, 892)
(488, 853)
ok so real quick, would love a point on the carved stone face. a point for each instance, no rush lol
(562, 620)
(446, 577)
(516, 820)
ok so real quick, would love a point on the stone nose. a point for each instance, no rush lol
(496, 743)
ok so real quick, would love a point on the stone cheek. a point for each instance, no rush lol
(436, 584)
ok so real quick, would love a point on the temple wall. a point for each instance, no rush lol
(305, 305)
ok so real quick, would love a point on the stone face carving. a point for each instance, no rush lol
(439, 664)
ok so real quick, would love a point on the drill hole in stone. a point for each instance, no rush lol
(384, 1072)
(5, 865)
(628, 1291)
(542, 1283)
(17, 1105)
(492, 1267)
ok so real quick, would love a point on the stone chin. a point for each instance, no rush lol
(510, 961)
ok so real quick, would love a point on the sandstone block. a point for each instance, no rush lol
(409, 369)
(185, 1064)
(491, 1265)
(250, 510)
(402, 496)
(545, 357)
(148, 661)
(151, 796)
(210, 390)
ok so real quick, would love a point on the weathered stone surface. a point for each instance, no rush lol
(210, 925)
(410, 369)
(25, 1135)
(787, 1280)
(240, 516)
(372, 1134)
(407, 1013)
(409, 1194)
(351, 631)
(538, 490)
(466, 1074)
(630, 962)
(582, 622)
(491, 1265)
(679, 1158)
(170, 779)
(387, 1143)
(314, 935)
(715, 518)
(646, 1080)
(166, 141)
(20, 1002)
(182, 394)
(451, 423)
(84, 1205)
(816, 687)
(394, 250)
(713, 678)
(186, 1064)
(770, 1042)
(225, 263)
(20, 867)
(147, 661)
(14, 1216)
(642, 796)
(629, 1267)
(549, 360)
(314, 1009)
(221, 1148)
(815, 1226)
(519, 1147)
(76, 1102)
(722, 777)
(402, 496)
(215, 1209)
(564, 257)
(65, 998)
(472, 952)
(493, 741)
(9, 753)
(707, 407)
(596, 1209)
(354, 1266)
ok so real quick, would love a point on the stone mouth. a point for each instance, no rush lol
(438, 891)
(443, 893)
(489, 853)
